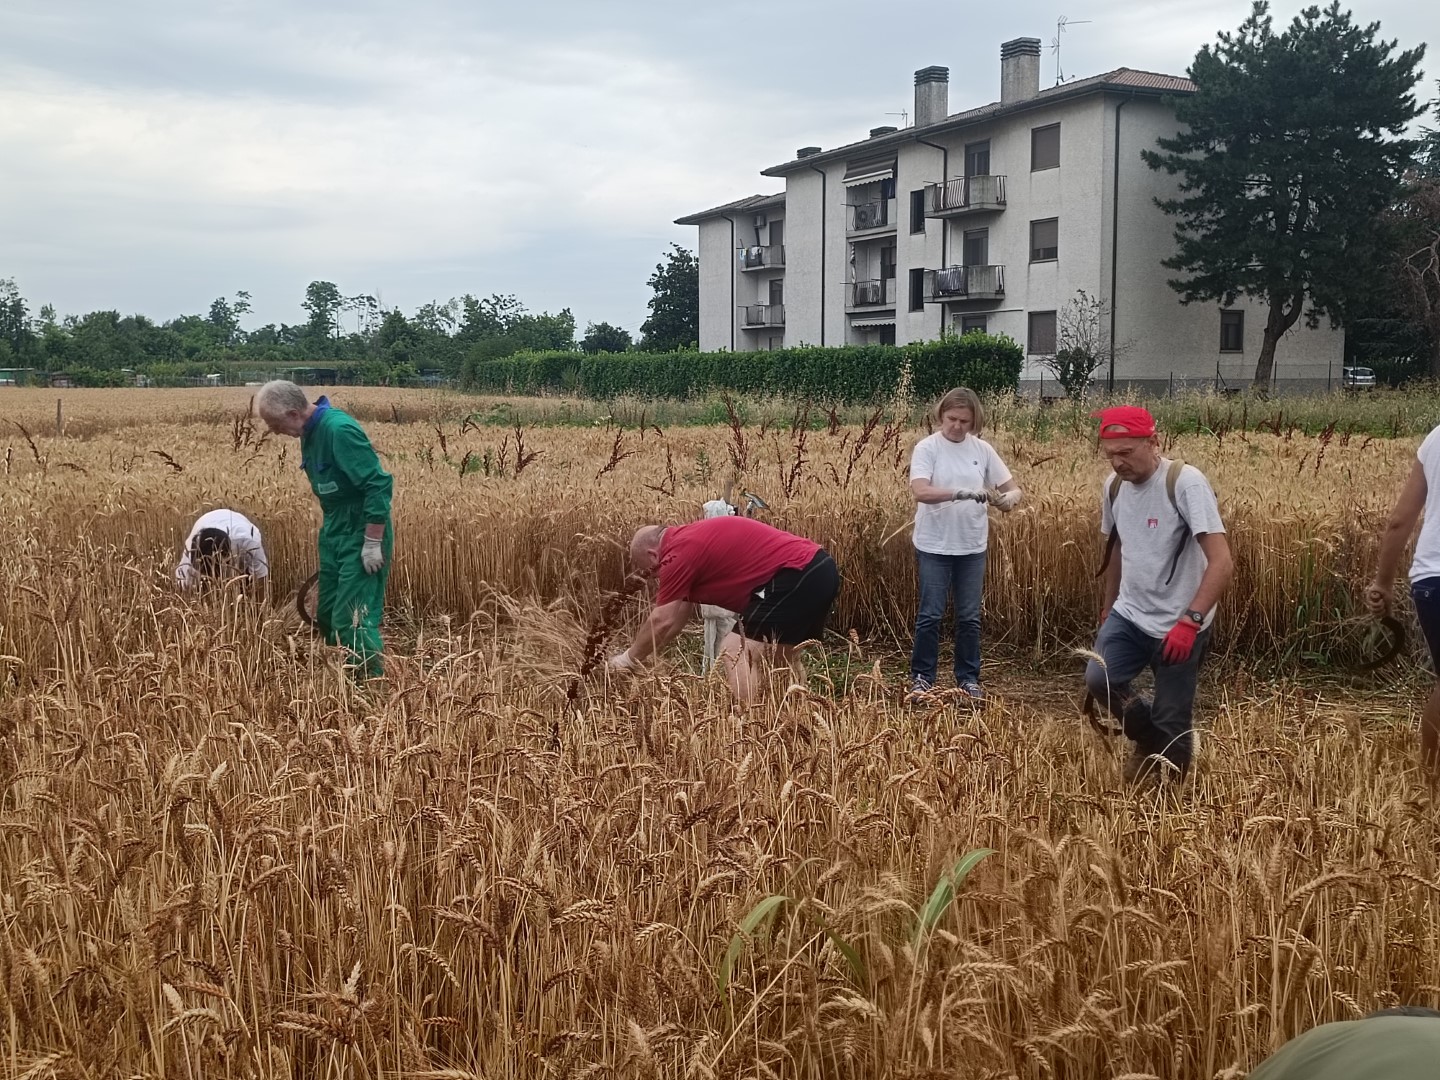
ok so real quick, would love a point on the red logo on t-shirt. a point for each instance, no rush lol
(1153, 523)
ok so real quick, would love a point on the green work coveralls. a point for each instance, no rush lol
(354, 491)
(1379, 1048)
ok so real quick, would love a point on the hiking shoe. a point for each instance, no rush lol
(1149, 771)
(922, 690)
(973, 691)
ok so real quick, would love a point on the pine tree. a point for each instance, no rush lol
(1289, 150)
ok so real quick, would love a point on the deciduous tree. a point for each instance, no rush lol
(601, 337)
(674, 321)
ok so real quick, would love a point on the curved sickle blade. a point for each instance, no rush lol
(1395, 647)
(1091, 709)
(302, 594)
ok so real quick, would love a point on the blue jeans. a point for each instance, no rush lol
(940, 577)
(1164, 725)
(1426, 594)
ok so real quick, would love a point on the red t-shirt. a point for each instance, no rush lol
(722, 560)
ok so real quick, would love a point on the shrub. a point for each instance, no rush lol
(848, 375)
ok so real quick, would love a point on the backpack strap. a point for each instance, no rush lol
(1172, 477)
(1112, 492)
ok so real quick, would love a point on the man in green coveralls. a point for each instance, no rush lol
(355, 537)
(1394, 1044)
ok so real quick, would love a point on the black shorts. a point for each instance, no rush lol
(793, 605)
(1426, 594)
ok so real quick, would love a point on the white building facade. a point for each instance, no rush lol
(992, 219)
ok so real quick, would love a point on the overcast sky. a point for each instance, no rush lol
(155, 155)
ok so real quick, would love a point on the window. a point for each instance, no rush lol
(1045, 148)
(887, 188)
(1045, 240)
(975, 247)
(917, 211)
(887, 334)
(774, 343)
(977, 158)
(887, 263)
(1041, 339)
(973, 324)
(917, 290)
(1232, 331)
(777, 291)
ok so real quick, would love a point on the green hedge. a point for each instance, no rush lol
(850, 375)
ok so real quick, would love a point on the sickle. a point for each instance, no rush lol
(1092, 713)
(1397, 644)
(301, 594)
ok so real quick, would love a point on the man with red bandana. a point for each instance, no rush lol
(1167, 562)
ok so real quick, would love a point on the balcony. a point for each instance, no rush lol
(964, 283)
(965, 195)
(760, 316)
(874, 216)
(873, 293)
(770, 257)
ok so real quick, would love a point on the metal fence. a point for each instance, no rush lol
(1046, 387)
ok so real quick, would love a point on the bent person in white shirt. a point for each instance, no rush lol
(222, 544)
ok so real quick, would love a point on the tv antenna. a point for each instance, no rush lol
(1060, 25)
(904, 117)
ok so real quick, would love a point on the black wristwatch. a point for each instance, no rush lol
(1197, 617)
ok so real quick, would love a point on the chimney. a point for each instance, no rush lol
(807, 151)
(875, 133)
(932, 95)
(1019, 69)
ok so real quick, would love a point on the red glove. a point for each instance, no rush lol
(1179, 642)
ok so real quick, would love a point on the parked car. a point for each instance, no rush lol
(1357, 378)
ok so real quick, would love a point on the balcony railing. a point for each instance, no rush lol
(876, 292)
(965, 194)
(759, 258)
(757, 315)
(964, 283)
(867, 216)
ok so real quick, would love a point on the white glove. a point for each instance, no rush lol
(718, 508)
(972, 496)
(622, 661)
(1005, 500)
(372, 557)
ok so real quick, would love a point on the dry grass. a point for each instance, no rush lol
(218, 859)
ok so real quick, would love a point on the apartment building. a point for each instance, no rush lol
(992, 219)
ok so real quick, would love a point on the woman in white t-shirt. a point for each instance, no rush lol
(1421, 494)
(954, 475)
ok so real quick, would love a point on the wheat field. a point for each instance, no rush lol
(219, 858)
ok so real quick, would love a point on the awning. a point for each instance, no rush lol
(866, 324)
(869, 172)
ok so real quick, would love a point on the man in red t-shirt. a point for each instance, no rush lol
(783, 585)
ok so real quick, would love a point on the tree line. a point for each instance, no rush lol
(353, 334)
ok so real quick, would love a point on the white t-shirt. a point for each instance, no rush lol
(1426, 563)
(955, 528)
(245, 546)
(1150, 532)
